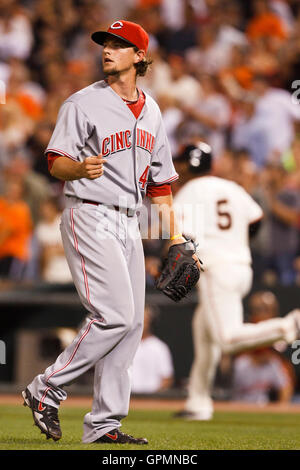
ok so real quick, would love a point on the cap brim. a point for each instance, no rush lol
(100, 36)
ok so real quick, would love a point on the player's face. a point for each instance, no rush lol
(118, 57)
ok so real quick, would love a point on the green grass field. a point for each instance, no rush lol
(228, 430)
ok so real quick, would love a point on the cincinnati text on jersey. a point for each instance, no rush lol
(123, 140)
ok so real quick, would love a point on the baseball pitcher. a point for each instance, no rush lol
(110, 147)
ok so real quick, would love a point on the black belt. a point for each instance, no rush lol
(126, 210)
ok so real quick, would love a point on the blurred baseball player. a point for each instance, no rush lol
(229, 215)
(110, 148)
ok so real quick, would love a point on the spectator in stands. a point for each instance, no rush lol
(262, 375)
(283, 10)
(288, 215)
(15, 231)
(87, 17)
(178, 40)
(265, 126)
(237, 76)
(245, 172)
(172, 117)
(16, 37)
(35, 186)
(209, 115)
(23, 107)
(229, 20)
(15, 126)
(276, 106)
(180, 86)
(284, 230)
(26, 91)
(261, 60)
(265, 22)
(208, 55)
(173, 13)
(152, 368)
(54, 267)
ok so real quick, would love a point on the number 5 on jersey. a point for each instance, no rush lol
(144, 177)
(224, 217)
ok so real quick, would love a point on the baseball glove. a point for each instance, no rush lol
(180, 272)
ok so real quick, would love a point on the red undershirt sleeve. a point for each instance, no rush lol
(51, 157)
(159, 190)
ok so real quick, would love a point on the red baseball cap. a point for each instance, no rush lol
(130, 32)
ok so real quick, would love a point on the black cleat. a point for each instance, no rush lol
(45, 416)
(117, 437)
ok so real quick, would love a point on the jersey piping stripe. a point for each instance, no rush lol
(43, 398)
(86, 284)
(62, 153)
(173, 178)
(81, 257)
(87, 291)
(73, 354)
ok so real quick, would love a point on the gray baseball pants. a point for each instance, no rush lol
(105, 254)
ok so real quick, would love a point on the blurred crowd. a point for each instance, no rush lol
(224, 71)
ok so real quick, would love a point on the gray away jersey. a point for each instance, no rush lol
(96, 120)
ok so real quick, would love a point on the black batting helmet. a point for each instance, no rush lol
(199, 157)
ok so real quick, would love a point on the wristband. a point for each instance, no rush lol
(179, 235)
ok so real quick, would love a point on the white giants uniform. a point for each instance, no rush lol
(225, 211)
(103, 246)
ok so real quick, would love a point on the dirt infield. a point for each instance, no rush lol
(169, 404)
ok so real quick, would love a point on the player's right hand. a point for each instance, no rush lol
(92, 167)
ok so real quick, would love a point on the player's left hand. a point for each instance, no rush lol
(180, 271)
(180, 240)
